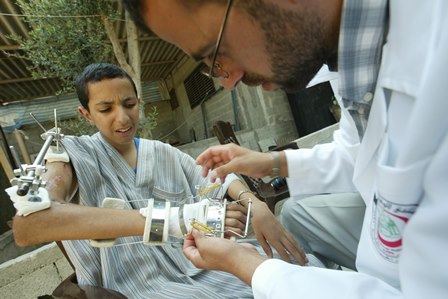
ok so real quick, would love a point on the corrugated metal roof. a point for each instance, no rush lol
(17, 114)
(158, 59)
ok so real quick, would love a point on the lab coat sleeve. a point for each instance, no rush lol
(422, 264)
(293, 281)
(325, 168)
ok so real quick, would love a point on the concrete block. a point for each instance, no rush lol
(267, 143)
(322, 136)
(40, 282)
(34, 274)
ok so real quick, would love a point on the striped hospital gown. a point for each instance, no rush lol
(140, 271)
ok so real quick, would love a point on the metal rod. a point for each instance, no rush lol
(249, 208)
(40, 157)
(56, 127)
(24, 188)
(39, 124)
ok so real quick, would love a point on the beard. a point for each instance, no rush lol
(295, 42)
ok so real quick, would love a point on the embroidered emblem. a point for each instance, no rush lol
(388, 222)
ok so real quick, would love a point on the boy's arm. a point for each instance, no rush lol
(65, 221)
(75, 222)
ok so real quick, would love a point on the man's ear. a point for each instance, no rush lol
(83, 111)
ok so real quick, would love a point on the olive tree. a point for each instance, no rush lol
(67, 35)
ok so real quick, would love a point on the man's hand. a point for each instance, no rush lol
(211, 253)
(231, 158)
(269, 232)
(29, 204)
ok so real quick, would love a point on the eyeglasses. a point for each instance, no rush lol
(216, 71)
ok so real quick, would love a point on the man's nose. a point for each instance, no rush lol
(232, 81)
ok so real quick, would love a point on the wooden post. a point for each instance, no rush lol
(22, 147)
(5, 164)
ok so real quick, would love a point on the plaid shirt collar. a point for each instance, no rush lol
(362, 35)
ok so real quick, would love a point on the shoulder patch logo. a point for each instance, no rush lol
(388, 222)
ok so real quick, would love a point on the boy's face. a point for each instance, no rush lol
(114, 110)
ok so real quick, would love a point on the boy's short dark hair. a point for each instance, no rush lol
(97, 72)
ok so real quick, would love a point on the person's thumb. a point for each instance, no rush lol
(220, 172)
(197, 235)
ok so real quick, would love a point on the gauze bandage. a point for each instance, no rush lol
(168, 224)
(164, 221)
(55, 155)
(31, 202)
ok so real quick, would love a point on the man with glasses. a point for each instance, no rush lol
(392, 62)
(305, 210)
(215, 70)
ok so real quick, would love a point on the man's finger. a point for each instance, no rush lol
(296, 250)
(265, 245)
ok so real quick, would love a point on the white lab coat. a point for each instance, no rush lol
(402, 162)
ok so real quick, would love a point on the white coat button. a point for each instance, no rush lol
(361, 110)
(368, 96)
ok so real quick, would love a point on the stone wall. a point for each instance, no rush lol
(248, 108)
(257, 139)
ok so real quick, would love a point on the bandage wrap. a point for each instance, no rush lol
(30, 203)
(55, 155)
(157, 222)
(164, 221)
